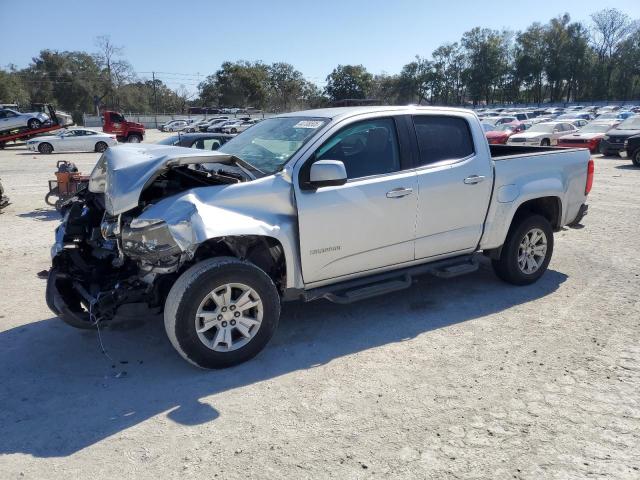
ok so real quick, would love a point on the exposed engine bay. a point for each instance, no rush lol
(102, 261)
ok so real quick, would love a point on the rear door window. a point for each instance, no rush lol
(442, 138)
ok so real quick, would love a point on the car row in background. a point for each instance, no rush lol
(202, 141)
(73, 140)
(213, 125)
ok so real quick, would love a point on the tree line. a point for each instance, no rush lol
(560, 61)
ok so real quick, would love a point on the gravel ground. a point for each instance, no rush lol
(469, 378)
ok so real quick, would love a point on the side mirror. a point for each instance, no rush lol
(325, 173)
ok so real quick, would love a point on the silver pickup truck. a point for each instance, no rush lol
(341, 204)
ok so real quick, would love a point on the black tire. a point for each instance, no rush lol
(79, 319)
(193, 286)
(134, 138)
(635, 158)
(506, 267)
(45, 148)
(234, 130)
(53, 193)
(545, 142)
(34, 123)
(101, 147)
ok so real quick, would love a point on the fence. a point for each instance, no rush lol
(153, 121)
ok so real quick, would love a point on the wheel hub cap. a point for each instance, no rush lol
(532, 251)
(229, 317)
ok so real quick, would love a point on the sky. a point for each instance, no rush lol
(188, 40)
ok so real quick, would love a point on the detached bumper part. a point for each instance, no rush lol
(59, 303)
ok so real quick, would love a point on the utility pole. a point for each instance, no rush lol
(155, 98)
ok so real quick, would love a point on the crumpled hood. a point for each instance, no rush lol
(130, 168)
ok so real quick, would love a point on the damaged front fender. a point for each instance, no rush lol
(263, 207)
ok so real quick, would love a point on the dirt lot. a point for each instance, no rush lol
(469, 378)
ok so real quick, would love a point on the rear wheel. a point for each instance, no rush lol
(45, 148)
(101, 147)
(34, 123)
(221, 312)
(134, 139)
(526, 252)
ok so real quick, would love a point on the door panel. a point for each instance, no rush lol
(367, 223)
(454, 185)
(451, 212)
(356, 227)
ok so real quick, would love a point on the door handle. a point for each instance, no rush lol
(399, 192)
(473, 179)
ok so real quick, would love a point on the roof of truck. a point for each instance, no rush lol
(339, 112)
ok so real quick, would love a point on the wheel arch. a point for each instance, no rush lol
(265, 252)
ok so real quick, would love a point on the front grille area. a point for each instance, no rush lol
(573, 140)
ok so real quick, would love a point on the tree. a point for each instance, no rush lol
(116, 71)
(238, 84)
(610, 29)
(348, 81)
(483, 49)
(286, 85)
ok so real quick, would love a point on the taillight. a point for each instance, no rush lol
(590, 171)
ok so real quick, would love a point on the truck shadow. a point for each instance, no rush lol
(60, 394)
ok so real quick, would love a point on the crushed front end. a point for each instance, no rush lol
(103, 258)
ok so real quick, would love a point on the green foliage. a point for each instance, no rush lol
(348, 81)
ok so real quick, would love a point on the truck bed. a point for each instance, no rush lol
(505, 152)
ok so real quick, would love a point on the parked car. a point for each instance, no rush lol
(11, 119)
(613, 142)
(615, 116)
(542, 134)
(575, 116)
(202, 141)
(211, 121)
(217, 127)
(73, 140)
(588, 136)
(239, 127)
(501, 133)
(175, 126)
(307, 205)
(632, 149)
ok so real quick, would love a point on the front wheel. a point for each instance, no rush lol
(34, 123)
(101, 147)
(635, 158)
(526, 252)
(45, 148)
(545, 142)
(134, 139)
(221, 312)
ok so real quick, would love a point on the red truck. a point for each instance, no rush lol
(114, 122)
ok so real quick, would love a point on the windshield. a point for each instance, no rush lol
(506, 127)
(608, 115)
(541, 128)
(268, 145)
(631, 123)
(595, 128)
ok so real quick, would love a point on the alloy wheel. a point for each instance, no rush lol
(532, 251)
(229, 317)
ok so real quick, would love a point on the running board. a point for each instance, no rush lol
(380, 284)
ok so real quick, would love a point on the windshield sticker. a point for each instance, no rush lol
(308, 124)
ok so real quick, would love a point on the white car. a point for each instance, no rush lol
(10, 119)
(73, 140)
(239, 127)
(542, 134)
(175, 126)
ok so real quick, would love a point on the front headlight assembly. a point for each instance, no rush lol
(148, 240)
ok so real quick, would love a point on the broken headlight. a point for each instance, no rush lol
(148, 240)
